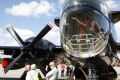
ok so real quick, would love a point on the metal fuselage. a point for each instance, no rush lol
(84, 45)
(87, 37)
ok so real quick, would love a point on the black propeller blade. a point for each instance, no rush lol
(14, 34)
(12, 63)
(47, 28)
(37, 63)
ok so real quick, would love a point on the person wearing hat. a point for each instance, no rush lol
(53, 74)
(33, 74)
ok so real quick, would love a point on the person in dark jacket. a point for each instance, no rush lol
(78, 74)
(27, 68)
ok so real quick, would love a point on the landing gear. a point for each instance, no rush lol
(99, 74)
(92, 75)
(97, 69)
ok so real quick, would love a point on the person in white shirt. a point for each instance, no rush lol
(53, 74)
(33, 74)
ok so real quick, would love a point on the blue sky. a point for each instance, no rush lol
(28, 17)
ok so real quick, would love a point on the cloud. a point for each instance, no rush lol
(24, 33)
(61, 2)
(1, 30)
(112, 4)
(117, 28)
(7, 40)
(33, 8)
(53, 36)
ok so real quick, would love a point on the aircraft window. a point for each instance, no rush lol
(84, 30)
(99, 5)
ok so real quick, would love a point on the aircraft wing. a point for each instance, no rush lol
(57, 49)
(118, 46)
(9, 47)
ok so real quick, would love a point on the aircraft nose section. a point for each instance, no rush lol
(82, 43)
(85, 45)
(84, 32)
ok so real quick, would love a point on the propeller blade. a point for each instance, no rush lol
(37, 63)
(14, 34)
(47, 28)
(12, 63)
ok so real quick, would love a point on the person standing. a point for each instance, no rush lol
(62, 70)
(71, 70)
(33, 74)
(27, 68)
(78, 74)
(68, 70)
(48, 68)
(53, 74)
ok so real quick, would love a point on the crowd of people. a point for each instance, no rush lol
(66, 70)
(53, 72)
(31, 73)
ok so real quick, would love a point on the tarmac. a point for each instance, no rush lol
(16, 74)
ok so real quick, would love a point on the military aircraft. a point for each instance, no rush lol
(88, 38)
